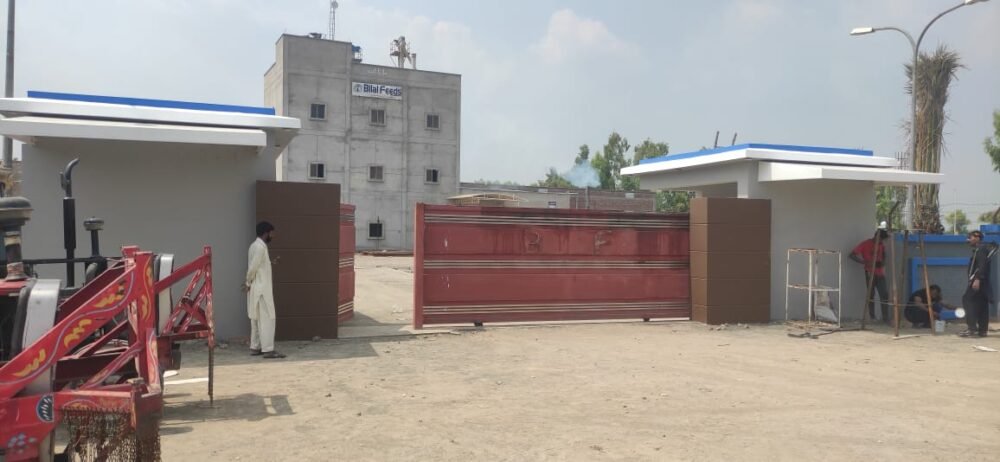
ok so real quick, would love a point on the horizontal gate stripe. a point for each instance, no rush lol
(514, 220)
(563, 264)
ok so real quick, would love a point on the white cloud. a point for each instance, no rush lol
(569, 36)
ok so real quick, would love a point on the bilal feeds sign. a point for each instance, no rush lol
(375, 90)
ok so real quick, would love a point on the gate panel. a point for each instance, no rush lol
(305, 252)
(483, 264)
(345, 309)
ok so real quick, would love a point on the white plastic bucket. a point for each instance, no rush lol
(938, 326)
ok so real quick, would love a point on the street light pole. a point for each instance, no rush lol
(915, 45)
(8, 91)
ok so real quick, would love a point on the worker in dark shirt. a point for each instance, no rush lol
(978, 293)
(916, 308)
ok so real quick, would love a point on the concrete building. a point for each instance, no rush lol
(389, 136)
(168, 176)
(820, 198)
(564, 198)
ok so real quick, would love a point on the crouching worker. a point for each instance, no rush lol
(916, 308)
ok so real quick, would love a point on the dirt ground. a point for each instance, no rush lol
(615, 391)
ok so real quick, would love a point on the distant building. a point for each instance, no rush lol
(555, 198)
(389, 136)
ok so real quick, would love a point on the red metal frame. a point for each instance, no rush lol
(490, 264)
(126, 288)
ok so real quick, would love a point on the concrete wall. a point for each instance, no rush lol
(166, 198)
(308, 71)
(832, 215)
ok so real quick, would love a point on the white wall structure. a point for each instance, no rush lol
(821, 198)
(356, 116)
(167, 176)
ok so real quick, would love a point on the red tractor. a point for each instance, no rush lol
(89, 361)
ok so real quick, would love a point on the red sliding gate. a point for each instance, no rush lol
(483, 264)
(345, 302)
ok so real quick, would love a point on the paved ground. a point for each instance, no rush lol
(637, 391)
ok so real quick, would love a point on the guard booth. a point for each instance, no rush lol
(820, 198)
(168, 176)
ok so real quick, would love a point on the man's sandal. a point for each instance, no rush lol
(255, 352)
(273, 355)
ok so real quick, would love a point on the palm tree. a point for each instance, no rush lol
(935, 73)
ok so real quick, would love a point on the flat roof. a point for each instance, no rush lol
(761, 152)
(28, 128)
(14, 107)
(771, 147)
(783, 171)
(94, 117)
(147, 102)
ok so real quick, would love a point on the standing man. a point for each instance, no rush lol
(978, 293)
(260, 296)
(873, 258)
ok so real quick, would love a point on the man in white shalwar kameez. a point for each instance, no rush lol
(260, 295)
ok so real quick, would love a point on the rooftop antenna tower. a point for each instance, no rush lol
(333, 18)
(401, 52)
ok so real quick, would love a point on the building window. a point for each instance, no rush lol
(374, 173)
(376, 231)
(378, 117)
(431, 176)
(317, 170)
(433, 122)
(317, 111)
(553, 204)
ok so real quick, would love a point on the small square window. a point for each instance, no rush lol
(378, 117)
(375, 230)
(553, 204)
(433, 122)
(375, 173)
(317, 170)
(432, 176)
(317, 111)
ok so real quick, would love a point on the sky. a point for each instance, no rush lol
(542, 77)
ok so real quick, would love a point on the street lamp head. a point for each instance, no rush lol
(862, 30)
(970, 2)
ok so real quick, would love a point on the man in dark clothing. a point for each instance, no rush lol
(916, 309)
(978, 293)
(873, 258)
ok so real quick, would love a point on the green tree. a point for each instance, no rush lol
(645, 150)
(584, 155)
(934, 73)
(554, 180)
(958, 223)
(885, 198)
(648, 150)
(992, 146)
(673, 201)
(610, 161)
(990, 218)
